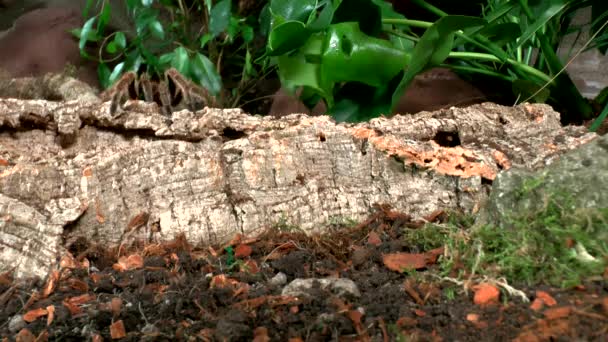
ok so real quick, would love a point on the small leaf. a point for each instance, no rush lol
(111, 47)
(180, 59)
(120, 40)
(86, 32)
(147, 3)
(104, 18)
(118, 70)
(103, 73)
(157, 29)
(205, 39)
(204, 70)
(247, 33)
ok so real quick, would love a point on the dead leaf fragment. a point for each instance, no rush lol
(373, 239)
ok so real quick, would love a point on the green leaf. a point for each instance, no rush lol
(165, 59)
(434, 47)
(292, 10)
(120, 40)
(87, 8)
(264, 21)
(248, 68)
(104, 18)
(180, 59)
(599, 16)
(118, 70)
(325, 16)
(103, 73)
(220, 17)
(111, 47)
(502, 33)
(205, 39)
(548, 11)
(525, 88)
(286, 37)
(86, 32)
(351, 55)
(157, 29)
(364, 12)
(248, 33)
(204, 70)
(295, 71)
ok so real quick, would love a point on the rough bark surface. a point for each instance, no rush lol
(68, 169)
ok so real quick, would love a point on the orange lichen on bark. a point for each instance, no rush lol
(453, 161)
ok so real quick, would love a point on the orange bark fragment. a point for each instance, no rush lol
(546, 298)
(537, 304)
(556, 313)
(131, 262)
(373, 239)
(401, 262)
(473, 317)
(486, 294)
(242, 251)
(51, 310)
(33, 315)
(117, 330)
(260, 334)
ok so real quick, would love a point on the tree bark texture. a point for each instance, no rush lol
(68, 169)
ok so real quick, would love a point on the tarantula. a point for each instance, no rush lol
(173, 92)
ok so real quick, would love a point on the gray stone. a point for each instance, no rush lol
(16, 323)
(279, 279)
(579, 177)
(340, 286)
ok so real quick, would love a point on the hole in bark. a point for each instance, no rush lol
(486, 181)
(232, 134)
(321, 137)
(447, 139)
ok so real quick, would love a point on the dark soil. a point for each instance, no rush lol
(234, 293)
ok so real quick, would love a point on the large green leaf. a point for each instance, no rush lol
(296, 10)
(351, 55)
(220, 17)
(544, 12)
(434, 47)
(364, 12)
(298, 71)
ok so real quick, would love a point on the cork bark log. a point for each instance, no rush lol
(68, 169)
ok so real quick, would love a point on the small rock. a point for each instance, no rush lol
(278, 280)
(16, 323)
(340, 286)
(360, 256)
